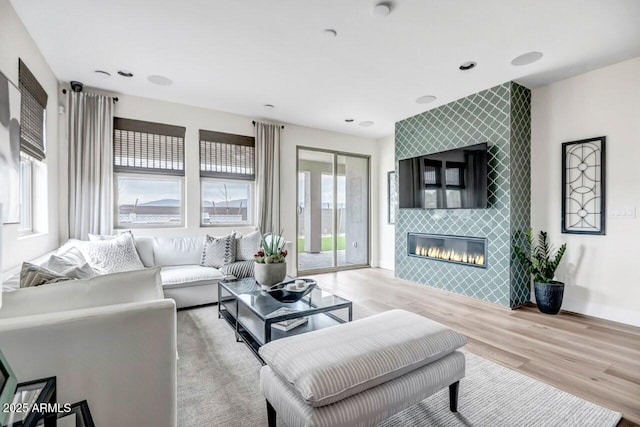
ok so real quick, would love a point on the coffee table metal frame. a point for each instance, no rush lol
(246, 307)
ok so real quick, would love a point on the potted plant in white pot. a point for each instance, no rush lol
(270, 261)
(538, 259)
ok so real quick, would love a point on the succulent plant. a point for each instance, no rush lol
(272, 249)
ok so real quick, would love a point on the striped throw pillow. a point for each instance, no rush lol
(35, 275)
(219, 251)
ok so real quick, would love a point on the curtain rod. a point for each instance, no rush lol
(115, 98)
(254, 123)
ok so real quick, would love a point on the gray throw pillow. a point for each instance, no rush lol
(35, 275)
(69, 268)
(71, 255)
(218, 251)
(113, 256)
(247, 246)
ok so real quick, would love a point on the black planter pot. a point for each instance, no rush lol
(549, 296)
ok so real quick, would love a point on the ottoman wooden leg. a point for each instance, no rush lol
(453, 397)
(271, 415)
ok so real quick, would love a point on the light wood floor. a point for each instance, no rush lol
(594, 359)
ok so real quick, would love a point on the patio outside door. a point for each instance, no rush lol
(333, 211)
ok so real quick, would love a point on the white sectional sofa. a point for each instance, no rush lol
(183, 278)
(110, 340)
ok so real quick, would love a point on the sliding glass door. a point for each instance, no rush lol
(333, 210)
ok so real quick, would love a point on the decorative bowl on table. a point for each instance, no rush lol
(292, 290)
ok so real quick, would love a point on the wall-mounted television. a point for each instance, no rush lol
(454, 179)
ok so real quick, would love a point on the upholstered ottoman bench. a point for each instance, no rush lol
(360, 373)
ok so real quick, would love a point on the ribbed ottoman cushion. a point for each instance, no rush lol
(331, 364)
(369, 407)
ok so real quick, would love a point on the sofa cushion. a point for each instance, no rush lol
(238, 269)
(328, 365)
(247, 245)
(189, 275)
(112, 256)
(107, 289)
(177, 250)
(219, 251)
(144, 246)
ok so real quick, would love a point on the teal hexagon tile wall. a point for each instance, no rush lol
(499, 116)
(520, 169)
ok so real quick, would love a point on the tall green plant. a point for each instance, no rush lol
(537, 256)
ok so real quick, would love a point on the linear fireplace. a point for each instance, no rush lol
(471, 251)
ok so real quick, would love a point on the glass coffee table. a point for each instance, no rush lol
(251, 312)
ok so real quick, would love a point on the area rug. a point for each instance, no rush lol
(218, 386)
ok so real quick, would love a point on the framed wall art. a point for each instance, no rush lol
(583, 186)
(9, 151)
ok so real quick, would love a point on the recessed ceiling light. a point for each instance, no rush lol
(348, 120)
(426, 99)
(366, 123)
(160, 80)
(125, 73)
(526, 58)
(381, 10)
(467, 65)
(269, 106)
(102, 74)
(329, 32)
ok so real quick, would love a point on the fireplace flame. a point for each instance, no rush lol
(449, 255)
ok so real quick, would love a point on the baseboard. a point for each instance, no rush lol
(602, 312)
(385, 265)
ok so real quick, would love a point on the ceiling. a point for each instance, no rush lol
(237, 55)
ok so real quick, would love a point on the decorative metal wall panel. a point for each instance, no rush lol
(500, 117)
(583, 186)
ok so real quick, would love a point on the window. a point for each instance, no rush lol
(148, 201)
(226, 202)
(227, 171)
(148, 161)
(26, 194)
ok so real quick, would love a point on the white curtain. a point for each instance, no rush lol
(268, 176)
(90, 164)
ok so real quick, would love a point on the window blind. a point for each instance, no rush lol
(33, 105)
(146, 147)
(224, 155)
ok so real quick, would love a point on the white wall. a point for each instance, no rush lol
(194, 119)
(386, 236)
(15, 42)
(602, 273)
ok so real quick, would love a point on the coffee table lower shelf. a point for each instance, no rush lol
(250, 329)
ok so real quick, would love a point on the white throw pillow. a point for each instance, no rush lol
(113, 256)
(219, 251)
(247, 246)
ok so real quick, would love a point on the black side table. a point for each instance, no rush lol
(79, 416)
(39, 393)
